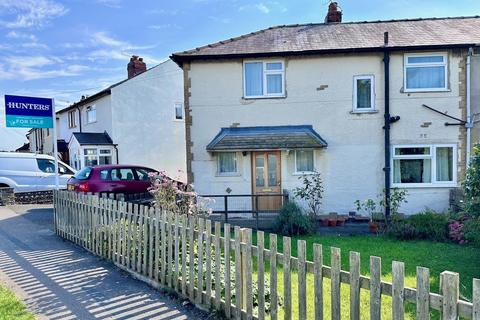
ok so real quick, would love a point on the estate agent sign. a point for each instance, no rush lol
(29, 112)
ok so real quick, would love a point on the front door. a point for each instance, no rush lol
(266, 180)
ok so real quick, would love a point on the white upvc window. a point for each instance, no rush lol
(425, 72)
(227, 163)
(94, 156)
(304, 161)
(72, 121)
(424, 165)
(178, 111)
(91, 114)
(363, 93)
(263, 79)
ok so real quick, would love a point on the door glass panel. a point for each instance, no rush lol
(272, 170)
(259, 171)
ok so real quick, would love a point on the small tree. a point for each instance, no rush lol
(471, 186)
(311, 192)
(376, 211)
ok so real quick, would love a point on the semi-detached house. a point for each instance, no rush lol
(266, 107)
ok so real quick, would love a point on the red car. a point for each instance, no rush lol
(111, 179)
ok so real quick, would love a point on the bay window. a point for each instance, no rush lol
(424, 165)
(304, 161)
(425, 72)
(264, 79)
(97, 156)
(227, 163)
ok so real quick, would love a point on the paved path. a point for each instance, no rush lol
(58, 280)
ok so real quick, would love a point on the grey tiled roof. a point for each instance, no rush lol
(93, 138)
(266, 138)
(351, 36)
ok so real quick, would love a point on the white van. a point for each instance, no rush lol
(31, 172)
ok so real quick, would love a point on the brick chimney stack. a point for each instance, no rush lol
(136, 66)
(334, 14)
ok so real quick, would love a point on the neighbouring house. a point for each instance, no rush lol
(369, 105)
(138, 121)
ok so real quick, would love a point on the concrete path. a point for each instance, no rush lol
(58, 280)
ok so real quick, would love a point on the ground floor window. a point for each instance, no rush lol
(304, 161)
(97, 156)
(227, 163)
(423, 165)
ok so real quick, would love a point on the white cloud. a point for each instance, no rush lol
(21, 35)
(220, 19)
(36, 67)
(111, 3)
(165, 26)
(262, 8)
(102, 38)
(30, 13)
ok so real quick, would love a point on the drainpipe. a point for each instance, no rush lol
(468, 125)
(387, 168)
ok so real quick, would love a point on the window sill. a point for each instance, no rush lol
(423, 185)
(178, 120)
(363, 111)
(221, 175)
(425, 90)
(304, 173)
(264, 97)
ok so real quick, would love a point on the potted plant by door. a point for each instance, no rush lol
(369, 206)
(375, 220)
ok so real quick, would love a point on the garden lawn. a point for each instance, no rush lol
(11, 308)
(438, 257)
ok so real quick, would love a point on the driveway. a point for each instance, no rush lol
(58, 280)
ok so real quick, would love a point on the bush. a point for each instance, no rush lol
(471, 231)
(428, 225)
(471, 186)
(292, 221)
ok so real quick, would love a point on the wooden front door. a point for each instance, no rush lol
(266, 180)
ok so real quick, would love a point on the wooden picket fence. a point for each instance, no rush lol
(216, 270)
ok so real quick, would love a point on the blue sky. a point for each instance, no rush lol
(66, 48)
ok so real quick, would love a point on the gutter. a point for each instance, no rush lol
(180, 57)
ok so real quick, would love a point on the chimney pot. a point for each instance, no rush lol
(334, 14)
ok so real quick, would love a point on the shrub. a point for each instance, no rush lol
(428, 225)
(292, 221)
(471, 186)
(311, 191)
(471, 231)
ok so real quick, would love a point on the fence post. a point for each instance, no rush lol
(318, 280)
(225, 205)
(476, 299)
(423, 293)
(335, 282)
(273, 276)
(375, 288)
(287, 281)
(354, 285)
(398, 272)
(450, 292)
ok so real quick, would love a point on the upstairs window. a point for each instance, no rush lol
(178, 111)
(264, 79)
(72, 123)
(363, 93)
(91, 114)
(425, 72)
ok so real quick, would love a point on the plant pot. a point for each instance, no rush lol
(332, 222)
(373, 227)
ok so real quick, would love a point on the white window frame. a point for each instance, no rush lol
(90, 109)
(72, 119)
(227, 174)
(175, 111)
(297, 172)
(265, 73)
(370, 77)
(98, 155)
(406, 65)
(433, 158)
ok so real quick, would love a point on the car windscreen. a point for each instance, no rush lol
(83, 174)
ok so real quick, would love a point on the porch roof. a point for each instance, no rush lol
(93, 138)
(266, 138)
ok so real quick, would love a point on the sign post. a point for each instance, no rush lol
(33, 112)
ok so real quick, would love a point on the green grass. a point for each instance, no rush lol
(437, 257)
(12, 308)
